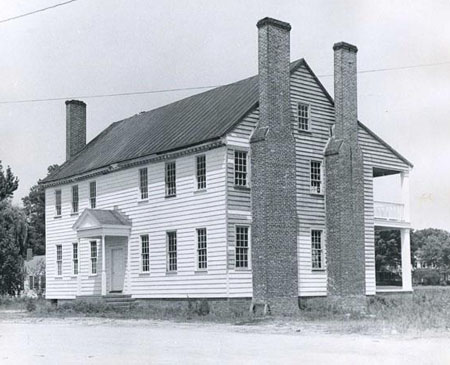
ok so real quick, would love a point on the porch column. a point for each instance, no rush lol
(103, 266)
(405, 194)
(406, 260)
(79, 273)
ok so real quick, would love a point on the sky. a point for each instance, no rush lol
(91, 47)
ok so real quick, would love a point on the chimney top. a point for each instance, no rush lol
(274, 22)
(77, 102)
(345, 45)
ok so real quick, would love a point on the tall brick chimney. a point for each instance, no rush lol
(273, 187)
(345, 187)
(75, 127)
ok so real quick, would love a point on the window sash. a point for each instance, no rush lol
(58, 202)
(201, 172)
(171, 181)
(94, 255)
(75, 258)
(240, 168)
(75, 199)
(58, 260)
(145, 253)
(172, 251)
(316, 177)
(93, 194)
(202, 254)
(143, 183)
(303, 116)
(317, 254)
(242, 246)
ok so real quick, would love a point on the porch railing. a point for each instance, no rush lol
(389, 211)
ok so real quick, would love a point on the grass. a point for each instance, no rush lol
(426, 309)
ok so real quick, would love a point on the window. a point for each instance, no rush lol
(303, 117)
(171, 179)
(93, 257)
(75, 199)
(202, 258)
(75, 257)
(143, 183)
(58, 202)
(36, 282)
(42, 281)
(316, 177)
(172, 251)
(145, 256)
(93, 194)
(58, 260)
(241, 247)
(201, 172)
(317, 250)
(240, 168)
(31, 282)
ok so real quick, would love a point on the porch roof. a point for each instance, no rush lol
(102, 222)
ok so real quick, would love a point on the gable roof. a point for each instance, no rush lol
(35, 263)
(197, 119)
(102, 217)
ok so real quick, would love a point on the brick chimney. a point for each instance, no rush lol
(273, 187)
(345, 186)
(75, 127)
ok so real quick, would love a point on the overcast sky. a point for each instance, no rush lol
(93, 47)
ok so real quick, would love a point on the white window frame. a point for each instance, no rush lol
(93, 198)
(75, 211)
(247, 168)
(143, 188)
(197, 182)
(322, 249)
(248, 267)
(59, 259)
(168, 269)
(308, 106)
(166, 179)
(58, 207)
(312, 189)
(145, 253)
(75, 258)
(93, 258)
(199, 250)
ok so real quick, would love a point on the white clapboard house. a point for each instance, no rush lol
(226, 194)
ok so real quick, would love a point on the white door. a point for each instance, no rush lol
(117, 269)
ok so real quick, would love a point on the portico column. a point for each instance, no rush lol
(406, 260)
(79, 273)
(103, 266)
(405, 194)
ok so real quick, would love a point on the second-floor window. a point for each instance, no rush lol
(303, 117)
(143, 183)
(94, 257)
(58, 202)
(75, 199)
(59, 260)
(202, 256)
(317, 256)
(240, 168)
(171, 179)
(75, 257)
(172, 251)
(201, 172)
(93, 194)
(316, 177)
(145, 253)
(242, 247)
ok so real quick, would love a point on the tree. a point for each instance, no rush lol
(8, 183)
(13, 232)
(387, 250)
(34, 208)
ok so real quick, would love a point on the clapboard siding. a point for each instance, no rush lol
(184, 213)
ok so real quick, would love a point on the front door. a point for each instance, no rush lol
(117, 270)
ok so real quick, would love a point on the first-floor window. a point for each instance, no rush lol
(172, 251)
(316, 177)
(75, 258)
(145, 256)
(241, 247)
(202, 257)
(31, 282)
(93, 257)
(317, 258)
(58, 260)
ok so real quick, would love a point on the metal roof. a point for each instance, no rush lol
(109, 217)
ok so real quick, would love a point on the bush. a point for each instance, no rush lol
(31, 305)
(426, 276)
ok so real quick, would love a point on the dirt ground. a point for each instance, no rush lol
(25, 340)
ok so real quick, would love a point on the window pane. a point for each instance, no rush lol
(201, 172)
(316, 177)
(171, 188)
(145, 253)
(316, 250)
(75, 258)
(172, 251)
(59, 259)
(240, 168)
(58, 202)
(93, 194)
(303, 116)
(242, 247)
(143, 183)
(93, 257)
(202, 258)
(75, 199)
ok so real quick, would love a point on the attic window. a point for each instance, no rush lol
(304, 117)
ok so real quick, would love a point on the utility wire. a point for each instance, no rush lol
(194, 87)
(36, 11)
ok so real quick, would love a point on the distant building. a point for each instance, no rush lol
(261, 190)
(34, 275)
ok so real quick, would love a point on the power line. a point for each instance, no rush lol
(37, 11)
(194, 87)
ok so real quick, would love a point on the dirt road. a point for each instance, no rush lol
(98, 341)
